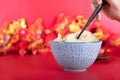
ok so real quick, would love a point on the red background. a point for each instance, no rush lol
(29, 67)
(48, 9)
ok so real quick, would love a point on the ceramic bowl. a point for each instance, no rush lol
(75, 56)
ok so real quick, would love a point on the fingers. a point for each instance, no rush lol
(94, 4)
(99, 2)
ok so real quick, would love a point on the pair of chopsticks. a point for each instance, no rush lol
(94, 14)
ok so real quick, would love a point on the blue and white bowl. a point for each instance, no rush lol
(75, 56)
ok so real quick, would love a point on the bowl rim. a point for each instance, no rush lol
(74, 42)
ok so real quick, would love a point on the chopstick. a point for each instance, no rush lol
(94, 14)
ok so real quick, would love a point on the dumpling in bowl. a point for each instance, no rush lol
(85, 37)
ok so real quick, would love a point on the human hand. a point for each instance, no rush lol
(111, 10)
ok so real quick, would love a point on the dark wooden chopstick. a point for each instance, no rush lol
(94, 14)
